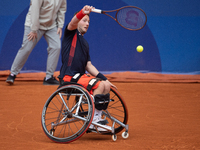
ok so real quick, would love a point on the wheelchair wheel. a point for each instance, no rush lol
(118, 110)
(67, 114)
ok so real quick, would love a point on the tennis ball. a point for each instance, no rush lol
(139, 48)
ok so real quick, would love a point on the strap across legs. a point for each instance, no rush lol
(91, 83)
(75, 78)
(101, 101)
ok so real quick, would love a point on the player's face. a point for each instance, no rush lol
(84, 24)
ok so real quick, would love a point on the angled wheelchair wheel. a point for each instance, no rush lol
(67, 114)
(117, 112)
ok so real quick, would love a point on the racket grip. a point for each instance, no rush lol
(97, 11)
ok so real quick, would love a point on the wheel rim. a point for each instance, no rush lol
(69, 120)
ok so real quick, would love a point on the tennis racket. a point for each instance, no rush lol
(129, 17)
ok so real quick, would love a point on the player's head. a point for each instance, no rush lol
(83, 24)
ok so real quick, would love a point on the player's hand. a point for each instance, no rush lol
(32, 36)
(59, 31)
(87, 9)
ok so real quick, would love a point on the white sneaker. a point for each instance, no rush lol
(100, 129)
(101, 122)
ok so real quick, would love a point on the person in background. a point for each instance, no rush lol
(44, 18)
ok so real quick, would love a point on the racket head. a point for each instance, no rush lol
(131, 17)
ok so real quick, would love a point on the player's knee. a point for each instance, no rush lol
(106, 86)
(102, 101)
(101, 87)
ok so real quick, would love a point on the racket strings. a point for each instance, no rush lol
(131, 18)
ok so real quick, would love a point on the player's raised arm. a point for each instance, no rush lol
(78, 16)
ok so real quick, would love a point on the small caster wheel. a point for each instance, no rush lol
(114, 137)
(125, 135)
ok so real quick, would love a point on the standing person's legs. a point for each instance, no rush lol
(54, 46)
(23, 53)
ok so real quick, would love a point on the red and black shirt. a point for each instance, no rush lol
(74, 53)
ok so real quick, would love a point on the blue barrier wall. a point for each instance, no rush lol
(171, 37)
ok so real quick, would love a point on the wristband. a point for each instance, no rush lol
(80, 14)
(101, 76)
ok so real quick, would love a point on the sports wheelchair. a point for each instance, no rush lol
(68, 113)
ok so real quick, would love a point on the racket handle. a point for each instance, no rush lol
(97, 11)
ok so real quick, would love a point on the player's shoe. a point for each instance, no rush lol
(50, 81)
(11, 78)
(99, 129)
(101, 122)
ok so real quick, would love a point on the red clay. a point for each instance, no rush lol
(161, 116)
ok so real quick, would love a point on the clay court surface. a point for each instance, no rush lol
(162, 115)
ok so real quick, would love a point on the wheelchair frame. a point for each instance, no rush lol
(68, 113)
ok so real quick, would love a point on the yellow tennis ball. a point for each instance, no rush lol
(139, 48)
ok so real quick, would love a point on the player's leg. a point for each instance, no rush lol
(102, 98)
(54, 46)
(23, 54)
(103, 88)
